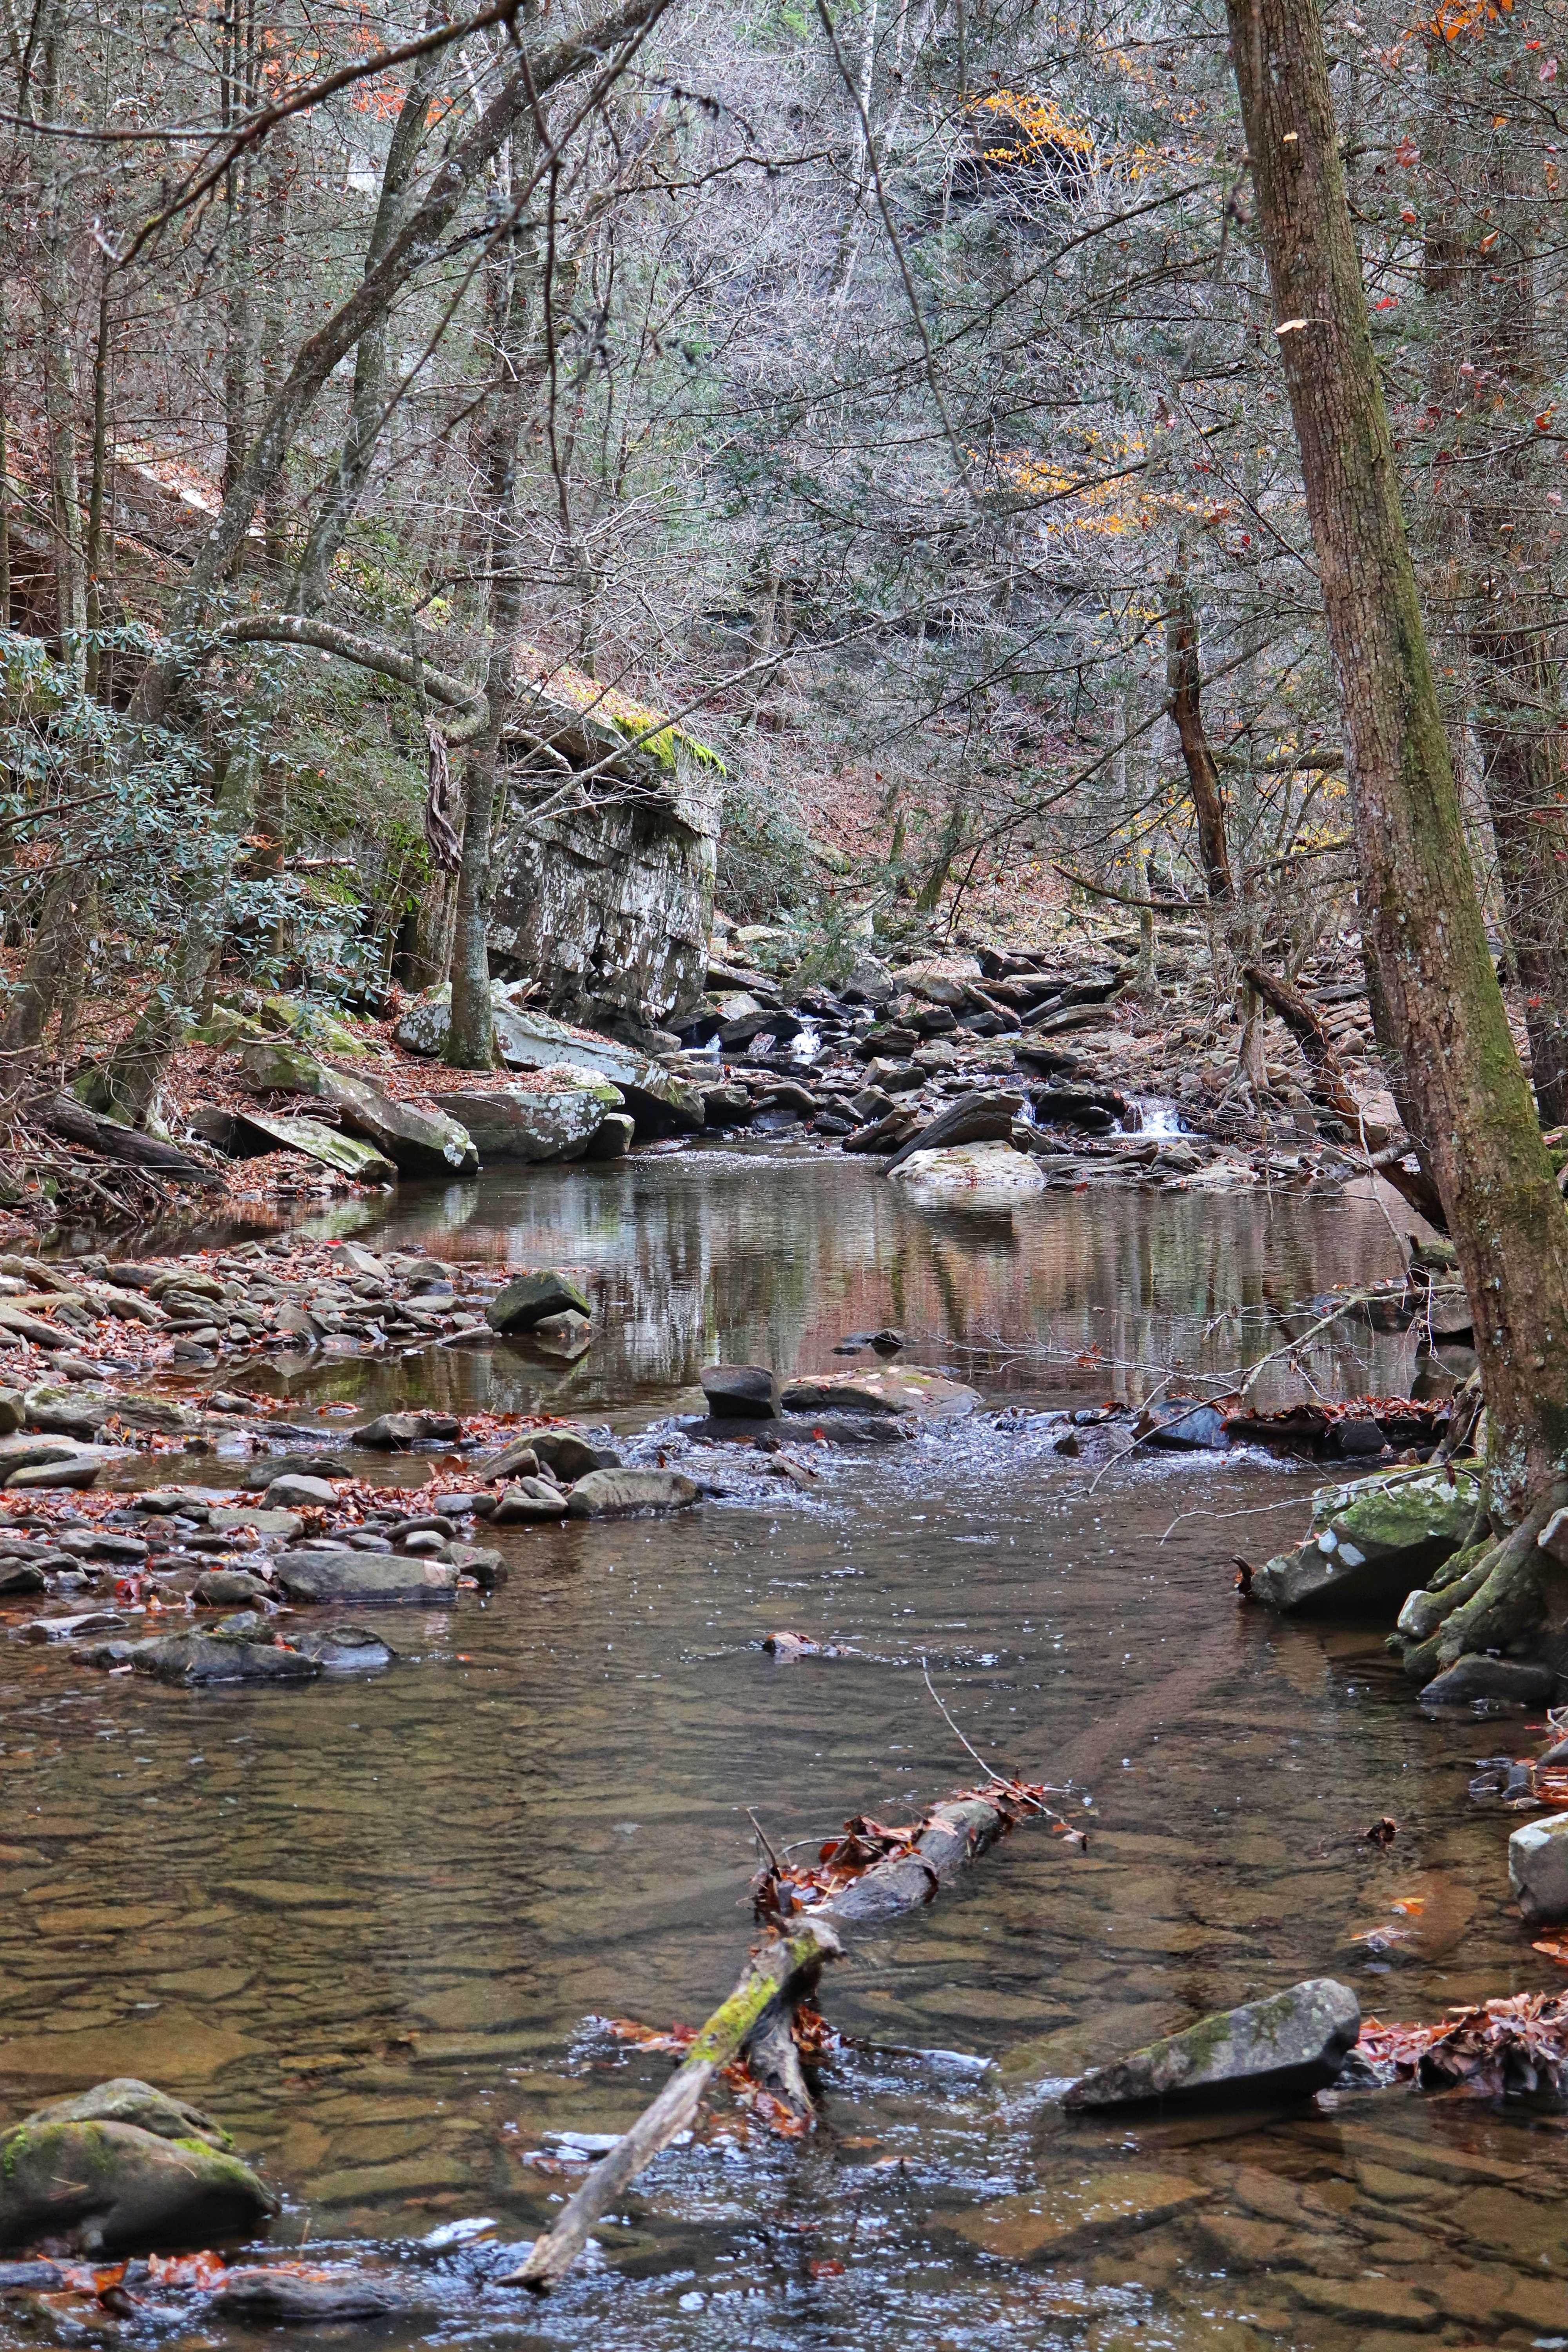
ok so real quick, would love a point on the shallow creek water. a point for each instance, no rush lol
(371, 1926)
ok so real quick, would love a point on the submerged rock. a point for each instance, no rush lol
(1537, 1868)
(124, 2167)
(1183, 1425)
(1511, 1682)
(1290, 2045)
(343, 1649)
(604, 1492)
(220, 1657)
(530, 1299)
(1371, 1542)
(295, 2297)
(395, 1433)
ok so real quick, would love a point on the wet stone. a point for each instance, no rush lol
(122, 2168)
(1070, 2217)
(1287, 2046)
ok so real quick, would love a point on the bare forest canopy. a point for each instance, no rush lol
(888, 393)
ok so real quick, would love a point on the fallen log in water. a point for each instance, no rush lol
(870, 1874)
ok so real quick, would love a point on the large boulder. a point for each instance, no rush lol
(1475, 1679)
(926, 1395)
(1287, 2046)
(972, 1171)
(659, 1102)
(122, 2168)
(554, 1116)
(1370, 1541)
(979, 1117)
(530, 1298)
(417, 1142)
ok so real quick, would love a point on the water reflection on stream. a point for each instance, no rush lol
(367, 1925)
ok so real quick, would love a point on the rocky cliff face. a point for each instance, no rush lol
(609, 907)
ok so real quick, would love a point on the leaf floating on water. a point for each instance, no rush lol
(1553, 1951)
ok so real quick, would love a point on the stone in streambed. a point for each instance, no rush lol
(1287, 2046)
(295, 1486)
(122, 2168)
(1510, 1681)
(1537, 1868)
(926, 1395)
(568, 1334)
(267, 1472)
(481, 1562)
(530, 1298)
(614, 1135)
(971, 1170)
(328, 1576)
(254, 1518)
(555, 1118)
(265, 2294)
(1183, 1425)
(344, 1649)
(567, 1454)
(741, 1391)
(229, 1588)
(1073, 2217)
(1371, 1542)
(396, 1432)
(606, 1493)
(530, 1498)
(20, 1576)
(239, 1649)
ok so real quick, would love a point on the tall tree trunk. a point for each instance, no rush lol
(471, 1038)
(59, 350)
(1419, 900)
(1513, 637)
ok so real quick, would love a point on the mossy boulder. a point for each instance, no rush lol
(1287, 2046)
(554, 1116)
(418, 1141)
(123, 2168)
(530, 1298)
(1370, 1541)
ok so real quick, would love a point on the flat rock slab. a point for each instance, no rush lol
(659, 1102)
(1072, 2216)
(192, 1658)
(606, 1493)
(122, 2168)
(79, 1467)
(1372, 1542)
(254, 1518)
(343, 1649)
(271, 2294)
(229, 1588)
(347, 1155)
(1287, 2046)
(298, 1486)
(805, 1429)
(327, 1576)
(418, 1143)
(926, 1395)
(397, 1432)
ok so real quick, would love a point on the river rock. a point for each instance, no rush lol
(324, 1576)
(1537, 1868)
(529, 1498)
(266, 1471)
(123, 2168)
(27, 1453)
(1183, 1425)
(1372, 1542)
(530, 1298)
(616, 1131)
(978, 1117)
(1509, 1681)
(241, 1649)
(1290, 2045)
(418, 1143)
(567, 1454)
(343, 1649)
(604, 1492)
(12, 1404)
(266, 2294)
(555, 1117)
(741, 1391)
(230, 1588)
(971, 1171)
(567, 1334)
(20, 1576)
(349, 1155)
(482, 1562)
(396, 1432)
(296, 1487)
(231, 1518)
(79, 1467)
(894, 1390)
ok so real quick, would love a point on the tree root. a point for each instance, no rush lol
(1503, 1591)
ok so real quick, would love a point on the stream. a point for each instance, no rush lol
(375, 1928)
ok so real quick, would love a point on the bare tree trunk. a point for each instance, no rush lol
(472, 1037)
(1183, 680)
(101, 361)
(57, 341)
(1419, 906)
